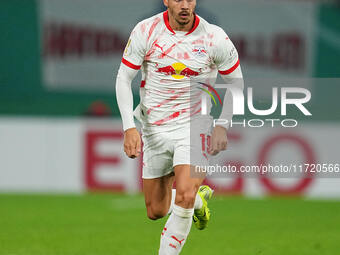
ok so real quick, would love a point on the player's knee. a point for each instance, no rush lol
(186, 197)
(155, 213)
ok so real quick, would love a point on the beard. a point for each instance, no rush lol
(178, 18)
(183, 23)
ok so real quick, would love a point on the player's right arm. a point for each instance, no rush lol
(131, 62)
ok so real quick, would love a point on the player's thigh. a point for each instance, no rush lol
(157, 193)
(157, 156)
(191, 148)
(186, 185)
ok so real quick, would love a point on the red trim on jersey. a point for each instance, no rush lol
(167, 24)
(229, 71)
(196, 23)
(142, 84)
(166, 21)
(129, 64)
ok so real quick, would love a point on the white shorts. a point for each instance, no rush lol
(164, 150)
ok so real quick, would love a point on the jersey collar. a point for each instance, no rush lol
(167, 24)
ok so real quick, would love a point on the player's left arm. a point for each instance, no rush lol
(228, 63)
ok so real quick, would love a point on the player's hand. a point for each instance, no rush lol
(132, 143)
(219, 140)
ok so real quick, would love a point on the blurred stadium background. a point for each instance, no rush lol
(61, 135)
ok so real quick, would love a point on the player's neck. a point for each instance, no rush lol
(178, 27)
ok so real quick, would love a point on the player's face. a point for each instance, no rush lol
(181, 10)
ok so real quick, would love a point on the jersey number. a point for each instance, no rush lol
(206, 142)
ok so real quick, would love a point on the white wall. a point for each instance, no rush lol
(76, 155)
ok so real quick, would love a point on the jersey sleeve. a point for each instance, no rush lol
(134, 52)
(225, 54)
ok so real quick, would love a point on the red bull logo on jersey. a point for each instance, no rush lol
(177, 71)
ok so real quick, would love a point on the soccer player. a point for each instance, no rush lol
(172, 49)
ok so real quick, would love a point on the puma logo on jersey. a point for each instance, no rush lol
(158, 46)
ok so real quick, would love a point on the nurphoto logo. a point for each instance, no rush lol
(294, 96)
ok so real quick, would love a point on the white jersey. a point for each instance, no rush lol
(170, 61)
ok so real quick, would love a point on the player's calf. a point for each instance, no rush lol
(157, 194)
(155, 212)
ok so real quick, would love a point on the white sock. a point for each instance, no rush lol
(176, 231)
(198, 201)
